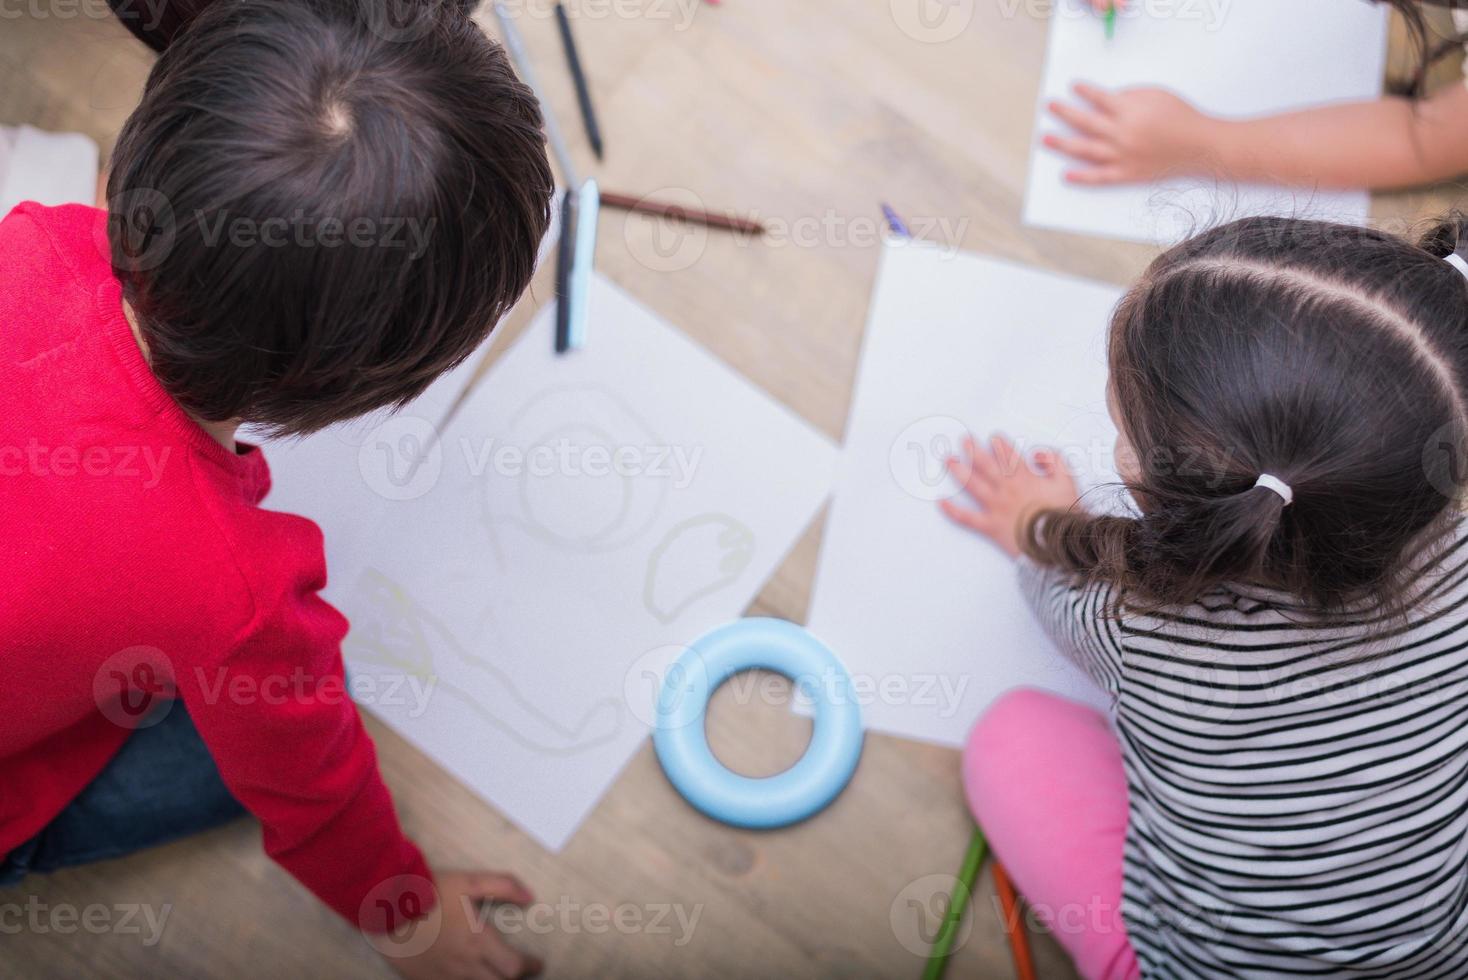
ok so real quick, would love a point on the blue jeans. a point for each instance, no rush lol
(161, 785)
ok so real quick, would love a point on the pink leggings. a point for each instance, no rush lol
(1045, 781)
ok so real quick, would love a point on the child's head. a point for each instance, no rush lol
(318, 209)
(1330, 357)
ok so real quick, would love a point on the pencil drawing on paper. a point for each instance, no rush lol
(392, 630)
(585, 483)
(694, 559)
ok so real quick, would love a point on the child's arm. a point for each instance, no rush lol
(1008, 492)
(290, 745)
(1142, 134)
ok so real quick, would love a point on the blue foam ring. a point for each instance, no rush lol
(682, 746)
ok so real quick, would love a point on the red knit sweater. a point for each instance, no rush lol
(134, 553)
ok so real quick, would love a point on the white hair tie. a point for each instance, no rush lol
(1456, 261)
(1277, 485)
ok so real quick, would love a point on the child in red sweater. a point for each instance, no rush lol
(313, 213)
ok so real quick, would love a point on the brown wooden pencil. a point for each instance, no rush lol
(713, 219)
(1019, 937)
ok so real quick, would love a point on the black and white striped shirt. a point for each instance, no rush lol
(1298, 786)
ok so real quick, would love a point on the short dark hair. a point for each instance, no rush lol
(1329, 356)
(317, 209)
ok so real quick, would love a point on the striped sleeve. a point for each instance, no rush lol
(1078, 620)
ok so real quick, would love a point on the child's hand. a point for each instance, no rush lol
(468, 947)
(1008, 490)
(1131, 136)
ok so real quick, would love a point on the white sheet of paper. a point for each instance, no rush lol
(1231, 58)
(49, 168)
(927, 615)
(349, 478)
(581, 518)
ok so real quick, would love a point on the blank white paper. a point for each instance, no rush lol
(350, 478)
(1230, 58)
(581, 518)
(928, 616)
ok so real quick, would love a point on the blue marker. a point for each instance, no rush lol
(895, 222)
(578, 286)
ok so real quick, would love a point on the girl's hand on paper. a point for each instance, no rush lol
(468, 946)
(1130, 136)
(1008, 490)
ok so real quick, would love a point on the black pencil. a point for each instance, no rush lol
(565, 256)
(583, 94)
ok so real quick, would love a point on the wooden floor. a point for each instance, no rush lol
(807, 114)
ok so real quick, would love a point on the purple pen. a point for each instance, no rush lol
(895, 222)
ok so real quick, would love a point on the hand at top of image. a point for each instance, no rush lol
(1129, 136)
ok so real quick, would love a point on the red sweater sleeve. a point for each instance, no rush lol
(291, 746)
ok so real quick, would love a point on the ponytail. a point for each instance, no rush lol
(1446, 236)
(1174, 550)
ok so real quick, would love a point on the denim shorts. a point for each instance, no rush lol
(160, 786)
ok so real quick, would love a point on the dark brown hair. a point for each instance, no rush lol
(316, 210)
(1419, 38)
(158, 22)
(1331, 357)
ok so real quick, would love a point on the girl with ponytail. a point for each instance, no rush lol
(1281, 621)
